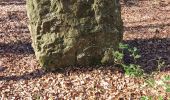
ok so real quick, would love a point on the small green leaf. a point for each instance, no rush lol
(146, 98)
(150, 82)
(123, 46)
(160, 98)
(168, 89)
(167, 85)
(130, 50)
(167, 78)
(137, 56)
(135, 49)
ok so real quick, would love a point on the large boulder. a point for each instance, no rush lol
(74, 32)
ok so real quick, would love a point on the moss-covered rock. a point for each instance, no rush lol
(74, 32)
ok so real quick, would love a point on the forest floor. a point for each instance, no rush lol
(147, 27)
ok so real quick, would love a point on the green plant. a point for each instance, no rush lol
(134, 53)
(167, 78)
(150, 82)
(160, 65)
(118, 57)
(131, 69)
(119, 54)
(166, 81)
(154, 84)
(160, 98)
(146, 98)
(150, 98)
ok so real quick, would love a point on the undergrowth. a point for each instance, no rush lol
(133, 69)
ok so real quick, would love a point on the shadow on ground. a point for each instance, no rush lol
(151, 50)
(17, 48)
(11, 2)
(152, 26)
(26, 76)
(2, 68)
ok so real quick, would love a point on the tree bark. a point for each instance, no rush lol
(74, 32)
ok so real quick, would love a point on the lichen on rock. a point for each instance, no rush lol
(74, 32)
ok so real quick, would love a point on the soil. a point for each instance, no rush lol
(146, 26)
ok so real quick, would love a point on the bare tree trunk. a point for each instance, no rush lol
(74, 32)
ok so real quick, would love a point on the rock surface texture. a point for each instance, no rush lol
(74, 32)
